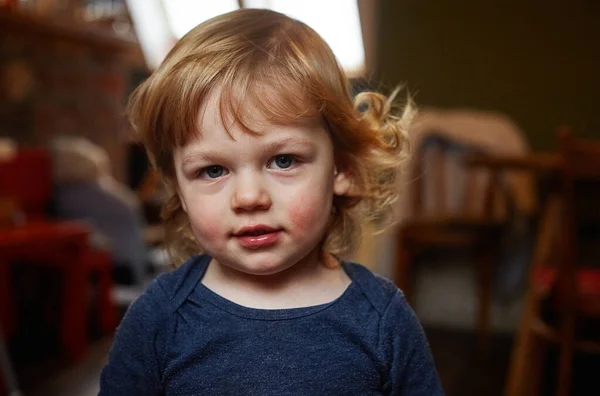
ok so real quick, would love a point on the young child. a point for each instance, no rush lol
(272, 169)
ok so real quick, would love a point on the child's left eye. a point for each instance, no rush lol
(283, 161)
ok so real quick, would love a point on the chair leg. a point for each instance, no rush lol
(538, 360)
(519, 363)
(105, 304)
(565, 363)
(74, 329)
(8, 378)
(485, 269)
(7, 313)
(521, 355)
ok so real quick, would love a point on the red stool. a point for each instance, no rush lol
(65, 247)
(26, 179)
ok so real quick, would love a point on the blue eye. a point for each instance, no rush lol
(283, 161)
(213, 171)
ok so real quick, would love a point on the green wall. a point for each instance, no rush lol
(537, 63)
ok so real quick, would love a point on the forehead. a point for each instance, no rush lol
(229, 115)
(220, 137)
(240, 146)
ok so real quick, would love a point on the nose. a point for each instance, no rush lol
(249, 194)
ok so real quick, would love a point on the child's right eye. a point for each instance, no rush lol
(212, 172)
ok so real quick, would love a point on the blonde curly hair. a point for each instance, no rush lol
(287, 72)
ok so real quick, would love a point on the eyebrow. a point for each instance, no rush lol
(202, 155)
(213, 156)
(288, 142)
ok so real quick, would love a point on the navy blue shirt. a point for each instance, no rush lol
(180, 338)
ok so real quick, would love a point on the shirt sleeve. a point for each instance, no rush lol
(134, 364)
(412, 369)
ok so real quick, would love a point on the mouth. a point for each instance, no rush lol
(257, 236)
(255, 230)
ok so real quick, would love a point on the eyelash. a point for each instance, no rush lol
(202, 173)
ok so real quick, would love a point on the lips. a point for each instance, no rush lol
(254, 230)
(257, 236)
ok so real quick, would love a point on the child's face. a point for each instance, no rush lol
(258, 203)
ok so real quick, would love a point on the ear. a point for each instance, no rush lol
(341, 183)
(183, 205)
(181, 201)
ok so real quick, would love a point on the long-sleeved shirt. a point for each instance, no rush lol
(181, 338)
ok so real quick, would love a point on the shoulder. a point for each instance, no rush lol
(140, 347)
(381, 292)
(169, 290)
(179, 283)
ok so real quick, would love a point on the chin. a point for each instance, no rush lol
(263, 263)
(263, 267)
(259, 263)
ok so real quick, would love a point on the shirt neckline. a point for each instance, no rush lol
(206, 294)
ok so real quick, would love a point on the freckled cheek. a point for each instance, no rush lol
(307, 213)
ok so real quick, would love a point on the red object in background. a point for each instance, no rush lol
(64, 245)
(587, 281)
(27, 179)
(9, 4)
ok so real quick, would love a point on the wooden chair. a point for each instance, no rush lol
(564, 290)
(460, 227)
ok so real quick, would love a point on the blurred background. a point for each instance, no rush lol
(496, 243)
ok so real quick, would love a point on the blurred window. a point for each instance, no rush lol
(337, 21)
(184, 15)
(159, 23)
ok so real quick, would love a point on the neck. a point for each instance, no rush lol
(316, 279)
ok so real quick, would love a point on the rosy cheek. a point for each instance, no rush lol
(206, 224)
(305, 213)
(208, 230)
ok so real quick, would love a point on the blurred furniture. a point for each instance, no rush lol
(540, 162)
(44, 57)
(563, 295)
(8, 379)
(27, 179)
(489, 133)
(53, 24)
(20, 195)
(446, 214)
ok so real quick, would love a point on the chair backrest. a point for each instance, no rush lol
(579, 189)
(26, 178)
(443, 185)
